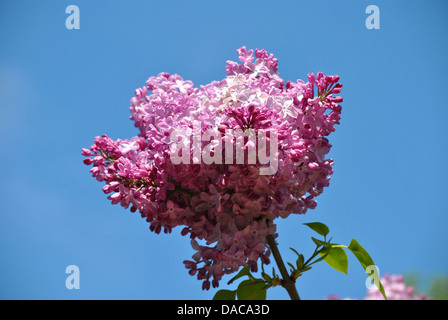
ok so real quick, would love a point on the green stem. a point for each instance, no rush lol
(288, 283)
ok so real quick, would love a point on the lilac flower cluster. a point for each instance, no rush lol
(394, 287)
(229, 208)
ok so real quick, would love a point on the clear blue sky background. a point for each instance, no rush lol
(60, 88)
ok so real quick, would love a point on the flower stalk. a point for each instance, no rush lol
(287, 282)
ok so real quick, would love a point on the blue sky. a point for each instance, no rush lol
(60, 88)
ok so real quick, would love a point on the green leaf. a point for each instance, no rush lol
(243, 272)
(295, 251)
(360, 253)
(225, 295)
(251, 290)
(300, 261)
(337, 259)
(306, 269)
(323, 255)
(318, 227)
(291, 265)
(266, 277)
(365, 260)
(318, 242)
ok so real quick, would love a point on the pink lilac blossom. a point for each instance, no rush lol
(229, 208)
(394, 287)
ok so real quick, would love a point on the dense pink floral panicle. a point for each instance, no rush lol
(395, 289)
(226, 209)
